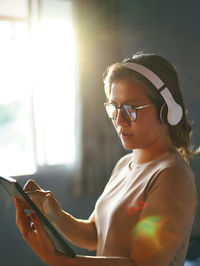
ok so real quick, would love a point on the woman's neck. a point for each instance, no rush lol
(152, 152)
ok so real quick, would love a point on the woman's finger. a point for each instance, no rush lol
(46, 202)
(39, 198)
(23, 203)
(52, 207)
(36, 223)
(33, 233)
(31, 185)
(38, 195)
(41, 235)
(22, 221)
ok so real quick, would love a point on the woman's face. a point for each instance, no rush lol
(147, 130)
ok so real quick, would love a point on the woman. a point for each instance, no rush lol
(145, 214)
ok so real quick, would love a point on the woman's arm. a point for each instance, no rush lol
(80, 232)
(93, 261)
(38, 240)
(165, 220)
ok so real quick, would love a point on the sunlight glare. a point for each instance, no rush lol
(54, 90)
(16, 145)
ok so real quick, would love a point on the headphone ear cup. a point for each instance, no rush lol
(163, 114)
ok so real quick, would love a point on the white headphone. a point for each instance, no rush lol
(175, 111)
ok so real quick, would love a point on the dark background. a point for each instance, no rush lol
(107, 32)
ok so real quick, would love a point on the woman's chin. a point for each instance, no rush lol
(128, 146)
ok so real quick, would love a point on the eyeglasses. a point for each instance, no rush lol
(129, 112)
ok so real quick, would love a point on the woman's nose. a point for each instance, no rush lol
(120, 119)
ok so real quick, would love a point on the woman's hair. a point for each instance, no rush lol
(180, 134)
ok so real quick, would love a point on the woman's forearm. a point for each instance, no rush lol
(92, 261)
(80, 232)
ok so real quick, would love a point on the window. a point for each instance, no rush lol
(37, 91)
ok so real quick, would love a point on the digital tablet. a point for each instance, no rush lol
(60, 243)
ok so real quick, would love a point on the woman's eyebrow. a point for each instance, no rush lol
(134, 102)
(130, 102)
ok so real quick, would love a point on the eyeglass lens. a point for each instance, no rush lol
(128, 113)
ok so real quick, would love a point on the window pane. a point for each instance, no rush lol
(37, 92)
(16, 137)
(54, 91)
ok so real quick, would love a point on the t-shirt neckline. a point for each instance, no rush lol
(141, 165)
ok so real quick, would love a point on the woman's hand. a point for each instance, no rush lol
(44, 200)
(33, 233)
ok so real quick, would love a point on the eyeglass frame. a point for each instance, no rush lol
(129, 105)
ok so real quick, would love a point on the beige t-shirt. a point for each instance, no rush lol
(146, 212)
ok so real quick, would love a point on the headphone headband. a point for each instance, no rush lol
(175, 111)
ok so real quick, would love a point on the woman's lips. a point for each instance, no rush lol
(126, 136)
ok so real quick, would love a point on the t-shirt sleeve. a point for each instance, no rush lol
(166, 218)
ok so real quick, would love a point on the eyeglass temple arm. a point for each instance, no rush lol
(144, 106)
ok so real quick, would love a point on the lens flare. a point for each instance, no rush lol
(147, 236)
(153, 234)
(149, 227)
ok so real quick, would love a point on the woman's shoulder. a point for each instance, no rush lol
(177, 164)
(170, 170)
(170, 160)
(173, 174)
